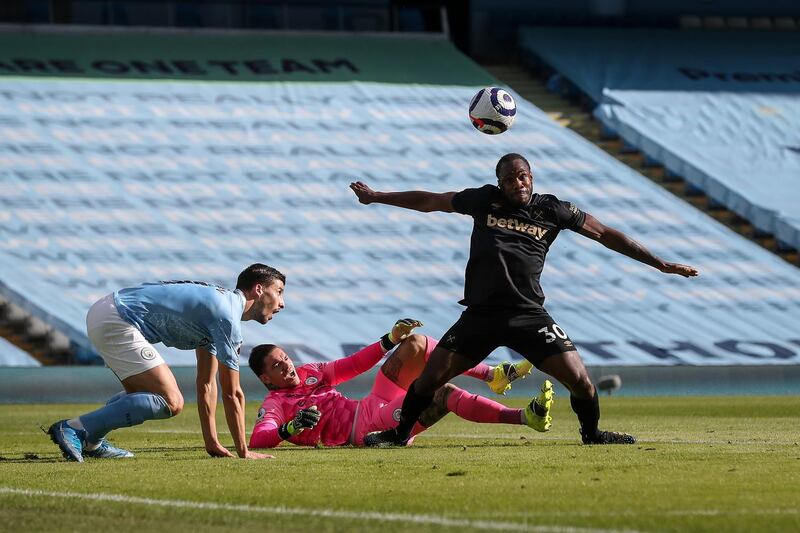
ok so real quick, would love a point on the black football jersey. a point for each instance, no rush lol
(509, 245)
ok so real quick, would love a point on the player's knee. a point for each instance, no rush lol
(416, 345)
(582, 386)
(419, 344)
(174, 403)
(442, 394)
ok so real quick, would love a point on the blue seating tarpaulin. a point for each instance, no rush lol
(719, 108)
(108, 183)
(10, 355)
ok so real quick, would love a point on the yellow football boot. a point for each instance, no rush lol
(506, 373)
(537, 413)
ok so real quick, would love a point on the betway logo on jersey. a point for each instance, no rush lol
(516, 225)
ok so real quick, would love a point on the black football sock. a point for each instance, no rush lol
(413, 406)
(588, 411)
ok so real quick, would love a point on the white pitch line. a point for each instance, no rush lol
(405, 518)
(726, 512)
(679, 512)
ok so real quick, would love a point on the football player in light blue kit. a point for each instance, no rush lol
(123, 326)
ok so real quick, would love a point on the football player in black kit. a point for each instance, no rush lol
(512, 232)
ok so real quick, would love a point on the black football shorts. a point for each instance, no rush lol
(531, 333)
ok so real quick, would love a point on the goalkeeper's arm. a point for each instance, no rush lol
(347, 368)
(303, 419)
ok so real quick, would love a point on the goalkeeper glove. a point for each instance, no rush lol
(303, 419)
(402, 329)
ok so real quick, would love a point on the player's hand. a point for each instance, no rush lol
(682, 270)
(215, 449)
(403, 328)
(303, 419)
(365, 194)
(255, 455)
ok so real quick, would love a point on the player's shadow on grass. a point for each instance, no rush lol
(173, 452)
(166, 449)
(472, 445)
(30, 458)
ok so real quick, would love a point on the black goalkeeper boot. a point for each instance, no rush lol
(384, 439)
(608, 437)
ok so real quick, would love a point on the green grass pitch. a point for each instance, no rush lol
(701, 464)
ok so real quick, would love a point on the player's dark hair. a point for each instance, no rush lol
(257, 355)
(258, 273)
(508, 158)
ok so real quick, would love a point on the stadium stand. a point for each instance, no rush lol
(10, 355)
(129, 158)
(31, 335)
(714, 107)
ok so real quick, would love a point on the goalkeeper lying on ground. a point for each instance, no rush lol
(304, 407)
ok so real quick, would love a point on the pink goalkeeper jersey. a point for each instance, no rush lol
(317, 381)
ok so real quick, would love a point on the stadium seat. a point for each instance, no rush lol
(153, 179)
(714, 107)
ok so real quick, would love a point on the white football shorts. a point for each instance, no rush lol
(122, 346)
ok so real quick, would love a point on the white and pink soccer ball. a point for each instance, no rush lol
(492, 110)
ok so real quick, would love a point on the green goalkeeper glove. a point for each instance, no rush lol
(303, 419)
(402, 329)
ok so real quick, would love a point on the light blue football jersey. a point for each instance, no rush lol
(186, 315)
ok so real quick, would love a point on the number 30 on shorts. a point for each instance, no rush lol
(550, 336)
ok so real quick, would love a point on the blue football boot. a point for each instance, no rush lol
(106, 451)
(69, 440)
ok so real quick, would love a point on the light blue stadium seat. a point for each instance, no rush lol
(155, 179)
(718, 108)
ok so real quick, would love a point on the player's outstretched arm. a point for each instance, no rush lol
(417, 200)
(207, 402)
(619, 242)
(347, 368)
(233, 400)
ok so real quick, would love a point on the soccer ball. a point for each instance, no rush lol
(492, 110)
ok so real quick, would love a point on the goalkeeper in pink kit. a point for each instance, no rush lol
(304, 407)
